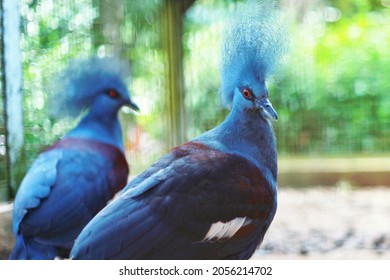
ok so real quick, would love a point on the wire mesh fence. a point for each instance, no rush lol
(331, 93)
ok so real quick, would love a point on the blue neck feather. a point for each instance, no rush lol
(245, 133)
(104, 128)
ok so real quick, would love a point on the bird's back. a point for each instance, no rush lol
(194, 203)
(64, 188)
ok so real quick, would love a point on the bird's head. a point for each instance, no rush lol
(253, 97)
(109, 99)
(97, 84)
(254, 43)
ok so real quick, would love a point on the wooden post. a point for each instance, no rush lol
(11, 79)
(172, 30)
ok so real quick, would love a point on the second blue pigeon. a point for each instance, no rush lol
(75, 178)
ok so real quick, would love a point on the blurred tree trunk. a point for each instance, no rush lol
(11, 87)
(172, 30)
(108, 41)
(107, 27)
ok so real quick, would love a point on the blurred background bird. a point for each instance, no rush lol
(74, 178)
(215, 196)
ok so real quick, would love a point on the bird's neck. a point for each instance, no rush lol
(104, 128)
(246, 134)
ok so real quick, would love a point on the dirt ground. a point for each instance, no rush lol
(311, 223)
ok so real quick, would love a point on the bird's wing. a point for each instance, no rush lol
(193, 203)
(36, 185)
(62, 191)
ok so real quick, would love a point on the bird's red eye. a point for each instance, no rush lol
(246, 93)
(113, 94)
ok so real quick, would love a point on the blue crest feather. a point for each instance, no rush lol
(75, 88)
(254, 42)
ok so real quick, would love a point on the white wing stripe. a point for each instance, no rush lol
(221, 230)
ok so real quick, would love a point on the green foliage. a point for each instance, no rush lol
(52, 33)
(334, 93)
(331, 94)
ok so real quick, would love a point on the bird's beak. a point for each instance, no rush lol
(132, 105)
(265, 105)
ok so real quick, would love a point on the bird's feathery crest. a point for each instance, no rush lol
(254, 42)
(75, 88)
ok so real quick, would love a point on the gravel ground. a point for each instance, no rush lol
(6, 238)
(311, 223)
(330, 223)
